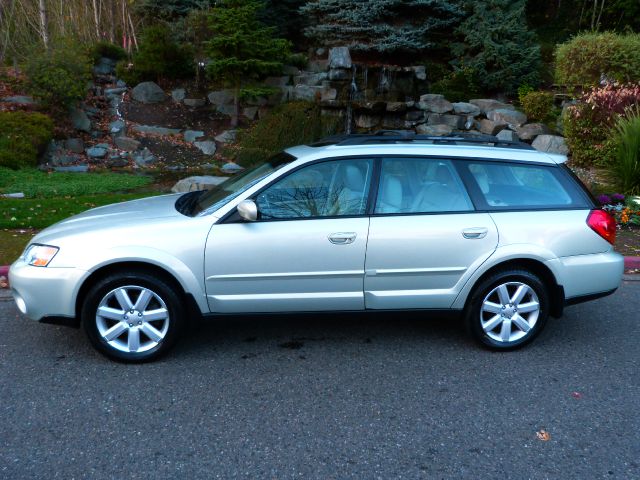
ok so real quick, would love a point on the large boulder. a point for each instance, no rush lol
(435, 103)
(221, 97)
(508, 116)
(454, 121)
(148, 92)
(178, 94)
(192, 135)
(20, 100)
(228, 136)
(207, 147)
(488, 104)
(75, 145)
(434, 130)
(490, 127)
(154, 130)
(508, 136)
(551, 144)
(96, 152)
(80, 120)
(339, 57)
(105, 66)
(306, 92)
(192, 184)
(532, 130)
(117, 128)
(127, 144)
(367, 121)
(464, 108)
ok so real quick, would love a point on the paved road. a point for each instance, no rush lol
(386, 396)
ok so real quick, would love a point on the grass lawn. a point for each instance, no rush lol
(51, 197)
(34, 183)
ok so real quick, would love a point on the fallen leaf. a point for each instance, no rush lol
(543, 435)
(576, 394)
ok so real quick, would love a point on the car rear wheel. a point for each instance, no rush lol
(132, 317)
(508, 309)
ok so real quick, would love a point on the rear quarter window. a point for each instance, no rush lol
(512, 186)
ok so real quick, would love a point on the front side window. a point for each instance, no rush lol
(327, 189)
(420, 185)
(505, 186)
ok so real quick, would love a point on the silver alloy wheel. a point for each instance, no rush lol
(132, 319)
(509, 312)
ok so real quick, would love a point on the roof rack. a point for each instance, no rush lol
(401, 136)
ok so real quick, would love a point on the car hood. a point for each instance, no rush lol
(117, 215)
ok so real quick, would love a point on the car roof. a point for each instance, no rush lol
(487, 152)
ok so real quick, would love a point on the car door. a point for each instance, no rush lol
(425, 238)
(305, 252)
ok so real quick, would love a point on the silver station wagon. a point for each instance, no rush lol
(501, 233)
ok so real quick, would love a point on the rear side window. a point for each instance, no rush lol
(420, 185)
(517, 186)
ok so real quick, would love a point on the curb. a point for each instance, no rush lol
(631, 262)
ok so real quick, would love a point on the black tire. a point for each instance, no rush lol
(476, 314)
(161, 292)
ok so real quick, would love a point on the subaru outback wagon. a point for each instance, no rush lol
(501, 233)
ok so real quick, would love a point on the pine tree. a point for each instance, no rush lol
(497, 45)
(242, 48)
(379, 26)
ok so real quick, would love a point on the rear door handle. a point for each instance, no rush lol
(475, 233)
(342, 238)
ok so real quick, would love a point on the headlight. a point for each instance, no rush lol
(39, 255)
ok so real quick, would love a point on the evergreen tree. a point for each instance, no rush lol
(242, 48)
(285, 16)
(497, 45)
(380, 26)
(169, 9)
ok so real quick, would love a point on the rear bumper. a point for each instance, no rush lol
(586, 277)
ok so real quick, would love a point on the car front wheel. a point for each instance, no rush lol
(508, 309)
(132, 317)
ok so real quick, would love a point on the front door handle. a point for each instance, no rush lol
(342, 238)
(475, 233)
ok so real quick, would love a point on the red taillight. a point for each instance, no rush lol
(603, 224)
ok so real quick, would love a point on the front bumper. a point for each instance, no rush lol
(43, 292)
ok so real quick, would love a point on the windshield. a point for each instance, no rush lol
(220, 195)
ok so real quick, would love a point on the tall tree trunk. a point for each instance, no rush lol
(44, 24)
(112, 21)
(96, 18)
(236, 106)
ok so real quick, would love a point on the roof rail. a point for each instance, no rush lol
(401, 136)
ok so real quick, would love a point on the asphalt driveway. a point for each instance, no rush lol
(375, 396)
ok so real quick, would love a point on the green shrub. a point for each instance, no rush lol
(23, 138)
(626, 139)
(524, 90)
(109, 50)
(159, 56)
(537, 105)
(585, 58)
(458, 86)
(58, 77)
(126, 71)
(289, 124)
(299, 60)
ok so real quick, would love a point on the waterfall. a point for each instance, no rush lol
(353, 91)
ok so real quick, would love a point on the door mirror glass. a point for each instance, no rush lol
(248, 210)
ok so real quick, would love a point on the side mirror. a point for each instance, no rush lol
(248, 210)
